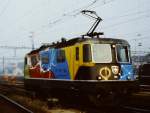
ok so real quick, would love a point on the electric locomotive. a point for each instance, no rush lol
(88, 64)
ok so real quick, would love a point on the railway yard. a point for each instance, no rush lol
(14, 98)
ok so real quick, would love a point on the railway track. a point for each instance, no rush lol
(18, 88)
(136, 103)
(80, 104)
(145, 88)
(8, 105)
(135, 109)
(85, 106)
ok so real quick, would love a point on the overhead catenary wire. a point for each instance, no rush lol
(121, 16)
(126, 21)
(30, 12)
(128, 15)
(110, 18)
(136, 33)
(71, 13)
(103, 3)
(14, 47)
(65, 16)
(74, 13)
(77, 11)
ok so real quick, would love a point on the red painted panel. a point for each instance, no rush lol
(47, 74)
(35, 72)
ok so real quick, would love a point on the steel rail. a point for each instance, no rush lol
(136, 109)
(15, 103)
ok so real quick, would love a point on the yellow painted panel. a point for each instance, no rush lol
(74, 65)
(68, 52)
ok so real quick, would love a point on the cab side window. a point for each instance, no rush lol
(60, 56)
(87, 56)
(34, 60)
(77, 53)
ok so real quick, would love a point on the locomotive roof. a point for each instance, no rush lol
(98, 40)
(92, 40)
(74, 41)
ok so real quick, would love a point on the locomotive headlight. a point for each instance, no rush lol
(115, 69)
(128, 78)
(99, 78)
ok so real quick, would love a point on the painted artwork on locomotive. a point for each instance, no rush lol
(81, 59)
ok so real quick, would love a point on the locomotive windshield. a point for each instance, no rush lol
(101, 53)
(122, 53)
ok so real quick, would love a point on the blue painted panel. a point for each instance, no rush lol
(126, 72)
(59, 69)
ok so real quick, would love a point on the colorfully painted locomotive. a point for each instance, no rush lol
(88, 63)
(82, 59)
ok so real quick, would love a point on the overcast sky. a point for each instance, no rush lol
(49, 20)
